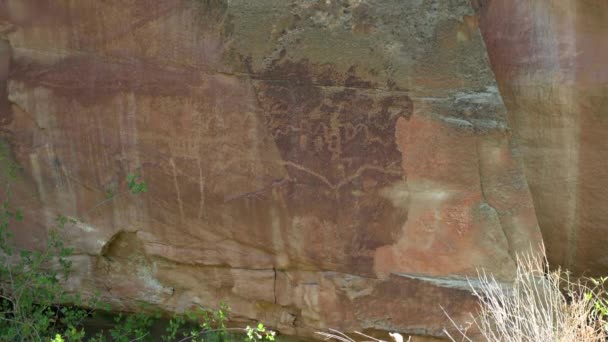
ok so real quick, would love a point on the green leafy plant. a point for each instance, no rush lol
(57, 338)
(132, 327)
(204, 324)
(598, 296)
(259, 333)
(135, 185)
(198, 324)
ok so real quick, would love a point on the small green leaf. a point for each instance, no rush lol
(18, 215)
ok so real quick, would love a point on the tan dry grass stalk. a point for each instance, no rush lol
(337, 335)
(539, 306)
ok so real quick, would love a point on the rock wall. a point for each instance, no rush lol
(311, 163)
(549, 57)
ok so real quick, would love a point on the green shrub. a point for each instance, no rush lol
(31, 291)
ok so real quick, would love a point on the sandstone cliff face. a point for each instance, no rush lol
(549, 58)
(312, 163)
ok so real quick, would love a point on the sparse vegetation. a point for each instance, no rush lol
(539, 306)
(35, 306)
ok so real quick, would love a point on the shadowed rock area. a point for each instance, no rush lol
(314, 164)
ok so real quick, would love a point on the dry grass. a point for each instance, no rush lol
(539, 306)
(340, 336)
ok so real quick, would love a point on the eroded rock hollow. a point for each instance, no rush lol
(313, 164)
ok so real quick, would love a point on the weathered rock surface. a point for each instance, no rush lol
(313, 164)
(549, 58)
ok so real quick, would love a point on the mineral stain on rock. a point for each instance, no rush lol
(338, 146)
(324, 129)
